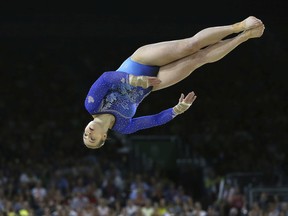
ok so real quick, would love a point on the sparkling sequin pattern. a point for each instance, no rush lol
(111, 93)
(124, 98)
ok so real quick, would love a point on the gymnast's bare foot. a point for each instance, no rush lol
(251, 22)
(255, 32)
(248, 23)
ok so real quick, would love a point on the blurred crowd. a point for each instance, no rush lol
(95, 186)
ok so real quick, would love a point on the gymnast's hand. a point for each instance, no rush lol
(184, 103)
(143, 81)
(153, 81)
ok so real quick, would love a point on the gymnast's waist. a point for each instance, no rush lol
(138, 69)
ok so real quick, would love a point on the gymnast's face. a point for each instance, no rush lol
(94, 136)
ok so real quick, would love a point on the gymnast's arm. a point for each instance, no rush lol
(100, 88)
(163, 117)
(149, 121)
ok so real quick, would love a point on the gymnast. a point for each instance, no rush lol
(113, 98)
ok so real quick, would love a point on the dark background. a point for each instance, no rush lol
(51, 54)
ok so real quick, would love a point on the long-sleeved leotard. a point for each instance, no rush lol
(111, 93)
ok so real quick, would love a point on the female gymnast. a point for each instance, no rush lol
(114, 97)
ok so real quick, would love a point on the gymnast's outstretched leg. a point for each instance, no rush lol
(176, 71)
(163, 53)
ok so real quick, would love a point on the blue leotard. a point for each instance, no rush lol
(111, 93)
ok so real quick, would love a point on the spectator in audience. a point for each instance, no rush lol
(131, 209)
(103, 209)
(255, 210)
(39, 192)
(148, 209)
